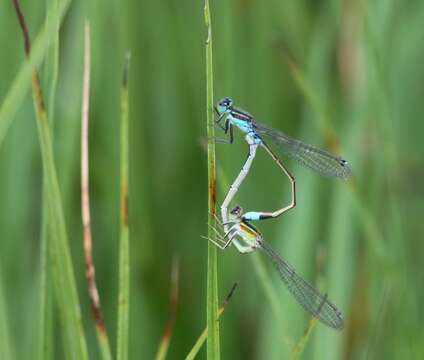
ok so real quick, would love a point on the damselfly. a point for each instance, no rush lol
(255, 134)
(246, 238)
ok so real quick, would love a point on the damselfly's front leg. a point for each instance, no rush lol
(257, 215)
(225, 239)
(232, 237)
(220, 117)
(227, 127)
(222, 241)
(253, 146)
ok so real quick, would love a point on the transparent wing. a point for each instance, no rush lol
(307, 155)
(307, 296)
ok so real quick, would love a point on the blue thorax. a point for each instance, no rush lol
(245, 126)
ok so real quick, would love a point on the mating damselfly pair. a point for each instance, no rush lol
(236, 228)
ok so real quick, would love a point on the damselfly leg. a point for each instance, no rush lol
(221, 239)
(256, 215)
(227, 127)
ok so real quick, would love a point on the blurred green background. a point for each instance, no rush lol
(345, 75)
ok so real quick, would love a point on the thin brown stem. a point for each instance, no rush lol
(36, 84)
(85, 197)
(22, 23)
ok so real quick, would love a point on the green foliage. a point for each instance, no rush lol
(344, 75)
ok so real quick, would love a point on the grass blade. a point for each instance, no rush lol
(300, 346)
(204, 335)
(213, 351)
(5, 346)
(74, 340)
(124, 244)
(173, 302)
(265, 279)
(52, 63)
(45, 343)
(90, 273)
(20, 86)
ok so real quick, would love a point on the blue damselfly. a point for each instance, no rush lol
(257, 134)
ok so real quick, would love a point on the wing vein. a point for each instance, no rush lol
(307, 155)
(307, 296)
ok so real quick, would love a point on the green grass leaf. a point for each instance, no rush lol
(22, 81)
(124, 241)
(213, 351)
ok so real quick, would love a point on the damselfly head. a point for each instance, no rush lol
(236, 211)
(225, 105)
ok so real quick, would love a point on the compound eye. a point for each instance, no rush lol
(226, 103)
(237, 210)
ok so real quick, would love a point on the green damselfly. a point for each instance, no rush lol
(246, 238)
